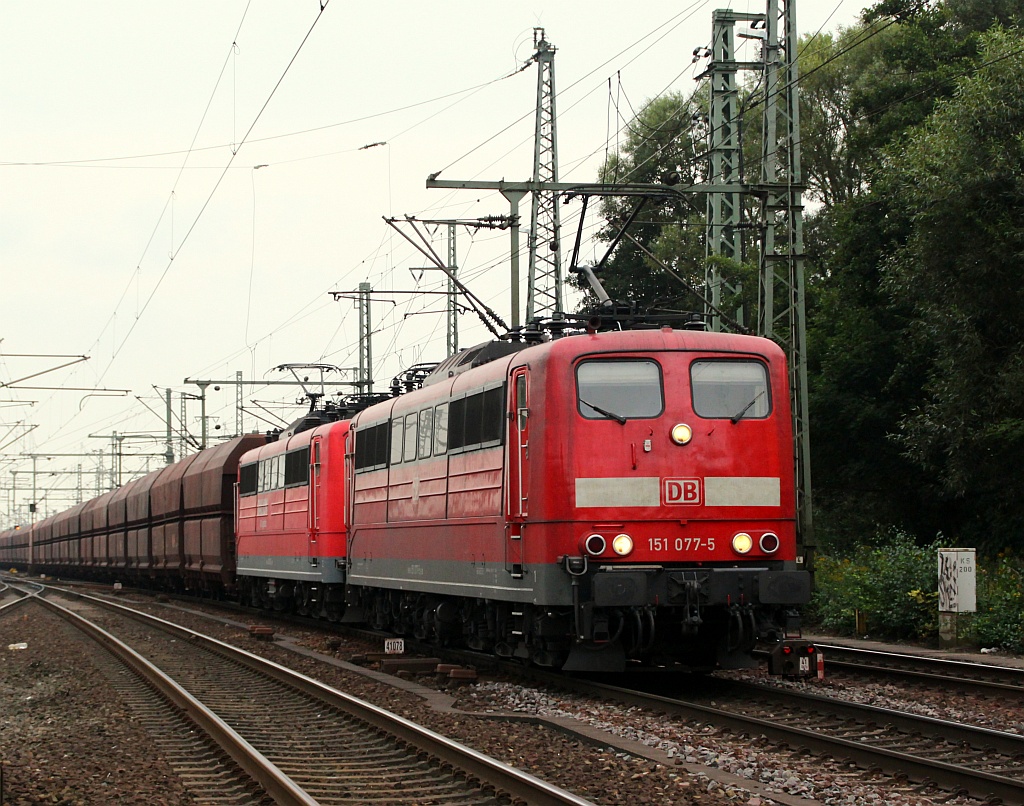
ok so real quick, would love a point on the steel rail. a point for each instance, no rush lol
(509, 780)
(949, 776)
(279, 786)
(979, 676)
(14, 602)
(1012, 744)
(23, 595)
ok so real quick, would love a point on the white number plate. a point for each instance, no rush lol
(681, 544)
(394, 646)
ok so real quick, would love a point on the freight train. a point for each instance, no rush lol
(590, 502)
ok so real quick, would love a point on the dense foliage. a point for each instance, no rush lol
(892, 585)
(891, 582)
(916, 377)
(1000, 618)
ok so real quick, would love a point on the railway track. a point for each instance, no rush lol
(982, 763)
(985, 764)
(982, 678)
(297, 740)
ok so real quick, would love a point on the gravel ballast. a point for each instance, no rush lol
(566, 739)
(65, 736)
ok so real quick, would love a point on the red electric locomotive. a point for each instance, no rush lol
(579, 503)
(290, 522)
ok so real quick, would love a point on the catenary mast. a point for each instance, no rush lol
(544, 291)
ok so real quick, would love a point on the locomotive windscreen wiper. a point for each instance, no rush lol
(735, 419)
(609, 414)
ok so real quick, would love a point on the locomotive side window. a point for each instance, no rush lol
(521, 401)
(364, 447)
(410, 437)
(248, 479)
(296, 467)
(491, 419)
(425, 432)
(733, 390)
(396, 440)
(457, 424)
(618, 389)
(441, 430)
(475, 421)
(372, 447)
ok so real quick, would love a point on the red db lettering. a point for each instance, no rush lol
(682, 491)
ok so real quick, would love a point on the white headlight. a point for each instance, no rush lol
(742, 543)
(622, 545)
(681, 434)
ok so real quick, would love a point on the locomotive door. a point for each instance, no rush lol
(315, 502)
(517, 501)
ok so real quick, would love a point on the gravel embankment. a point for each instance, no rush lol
(65, 736)
(690, 764)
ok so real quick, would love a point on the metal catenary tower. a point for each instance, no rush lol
(781, 292)
(725, 206)
(544, 290)
(365, 379)
(779, 198)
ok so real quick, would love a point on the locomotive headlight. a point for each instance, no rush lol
(681, 433)
(742, 543)
(622, 545)
(769, 542)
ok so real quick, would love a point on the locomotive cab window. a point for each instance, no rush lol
(736, 390)
(619, 389)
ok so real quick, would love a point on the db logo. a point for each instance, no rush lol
(682, 491)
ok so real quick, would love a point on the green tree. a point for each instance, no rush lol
(960, 179)
(870, 353)
(829, 67)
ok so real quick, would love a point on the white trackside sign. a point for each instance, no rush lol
(957, 581)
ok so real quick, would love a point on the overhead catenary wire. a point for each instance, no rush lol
(199, 215)
(305, 315)
(213, 190)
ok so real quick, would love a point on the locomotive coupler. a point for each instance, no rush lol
(692, 620)
(575, 566)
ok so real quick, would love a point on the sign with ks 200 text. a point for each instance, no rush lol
(957, 582)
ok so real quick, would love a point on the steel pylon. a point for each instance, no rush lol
(781, 291)
(544, 285)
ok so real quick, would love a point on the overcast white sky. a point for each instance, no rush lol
(118, 123)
